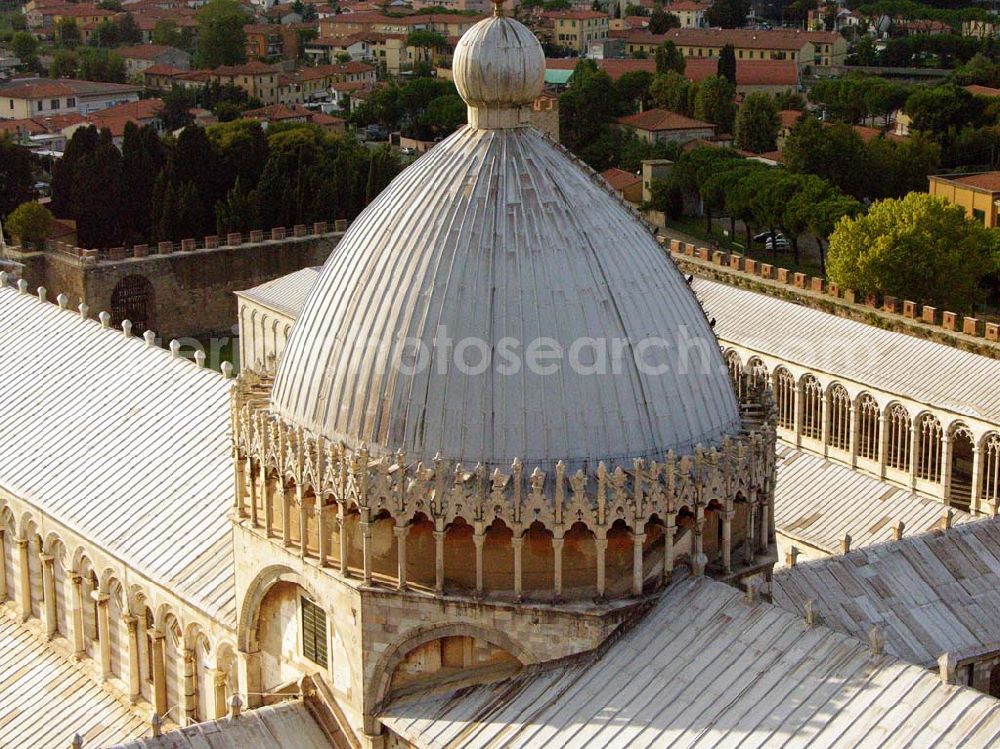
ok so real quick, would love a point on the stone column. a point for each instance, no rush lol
(478, 539)
(977, 485)
(439, 561)
(946, 458)
(637, 540)
(159, 673)
(751, 544)
(517, 542)
(251, 488)
(401, 533)
(883, 443)
(286, 517)
(825, 416)
(321, 531)
(217, 696)
(342, 526)
(49, 594)
(248, 665)
(134, 675)
(302, 502)
(3, 565)
(601, 544)
(265, 496)
(853, 432)
(366, 546)
(799, 410)
(727, 539)
(25, 569)
(190, 688)
(697, 548)
(103, 632)
(669, 531)
(79, 646)
(557, 549)
(914, 452)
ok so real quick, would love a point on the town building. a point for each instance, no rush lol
(578, 29)
(24, 98)
(813, 48)
(626, 184)
(271, 42)
(141, 57)
(977, 193)
(664, 126)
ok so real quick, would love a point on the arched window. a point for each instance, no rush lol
(898, 421)
(735, 367)
(757, 376)
(812, 408)
(132, 300)
(784, 396)
(989, 490)
(840, 417)
(962, 466)
(869, 418)
(929, 448)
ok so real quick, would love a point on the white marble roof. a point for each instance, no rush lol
(123, 443)
(933, 593)
(285, 294)
(706, 669)
(911, 367)
(817, 501)
(45, 699)
(498, 235)
(286, 725)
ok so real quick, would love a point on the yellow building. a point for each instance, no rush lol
(978, 194)
(577, 29)
(819, 48)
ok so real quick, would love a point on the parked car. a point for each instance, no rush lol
(407, 151)
(775, 241)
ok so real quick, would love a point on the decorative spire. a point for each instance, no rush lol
(497, 11)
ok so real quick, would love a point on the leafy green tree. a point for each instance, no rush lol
(834, 152)
(727, 63)
(586, 109)
(660, 21)
(716, 102)
(221, 39)
(430, 40)
(442, 116)
(167, 33)
(816, 208)
(916, 247)
(633, 89)
(102, 65)
(25, 47)
(673, 91)
(65, 63)
(238, 212)
(96, 193)
(68, 33)
(16, 178)
(896, 168)
(30, 223)
(176, 105)
(668, 58)
(728, 14)
(757, 124)
(936, 109)
(143, 156)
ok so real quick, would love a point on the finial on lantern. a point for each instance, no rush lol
(497, 8)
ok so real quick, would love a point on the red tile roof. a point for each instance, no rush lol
(144, 51)
(36, 90)
(982, 90)
(619, 179)
(788, 117)
(748, 72)
(741, 38)
(613, 67)
(985, 181)
(663, 119)
(574, 15)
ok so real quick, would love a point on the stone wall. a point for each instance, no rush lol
(193, 282)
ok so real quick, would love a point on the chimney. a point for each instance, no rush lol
(77, 742)
(949, 518)
(235, 707)
(791, 556)
(845, 543)
(897, 531)
(946, 668)
(876, 641)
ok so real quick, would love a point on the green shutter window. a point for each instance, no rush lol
(313, 632)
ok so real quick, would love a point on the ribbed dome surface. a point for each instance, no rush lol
(498, 234)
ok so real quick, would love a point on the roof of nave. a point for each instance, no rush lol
(930, 594)
(47, 699)
(817, 501)
(285, 294)
(286, 725)
(904, 365)
(123, 443)
(706, 668)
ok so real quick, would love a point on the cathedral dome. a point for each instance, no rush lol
(498, 301)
